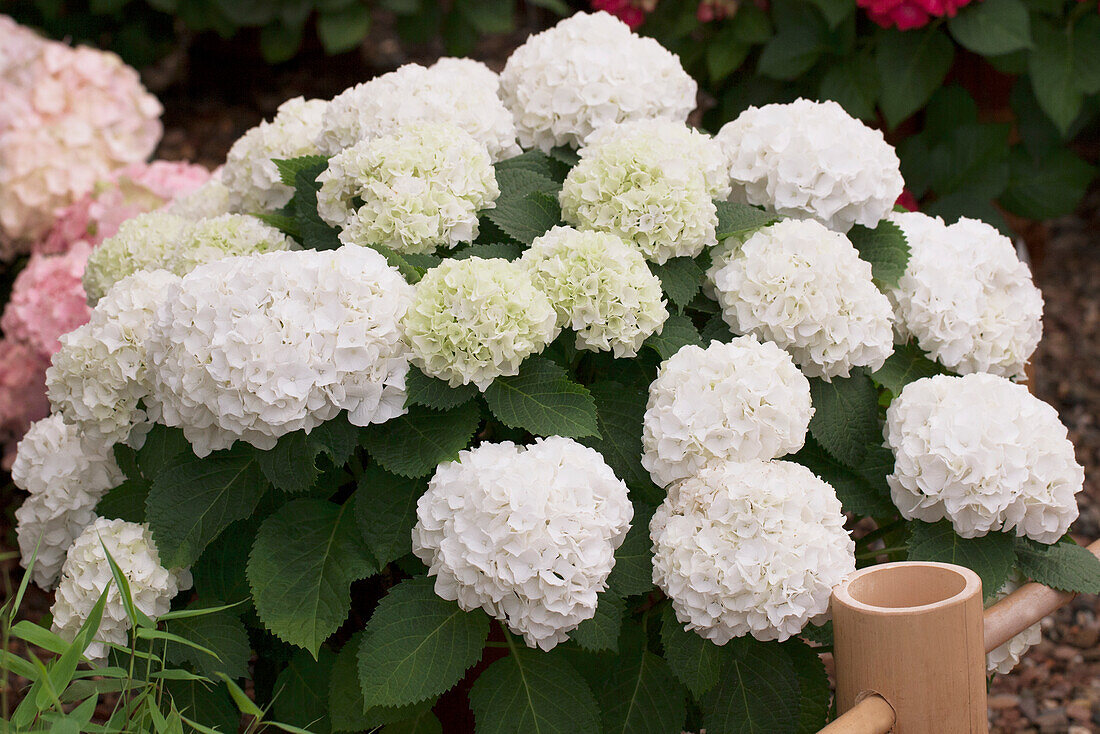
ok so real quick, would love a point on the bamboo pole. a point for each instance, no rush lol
(872, 715)
(911, 632)
(1023, 608)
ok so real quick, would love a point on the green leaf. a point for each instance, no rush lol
(680, 278)
(621, 410)
(633, 571)
(813, 686)
(291, 465)
(677, 332)
(755, 691)
(565, 155)
(886, 248)
(992, 27)
(543, 400)
(413, 444)
(125, 502)
(1052, 68)
(337, 438)
(990, 556)
(834, 10)
(432, 392)
(162, 447)
(856, 493)
(1065, 565)
(301, 691)
(1047, 188)
(340, 31)
(303, 561)
(218, 574)
(423, 722)
(528, 205)
(411, 267)
(385, 510)
(737, 220)
(907, 364)
(194, 499)
(289, 168)
(316, 232)
(716, 329)
(845, 418)
(852, 83)
(204, 704)
(221, 633)
(1086, 62)
(530, 691)
(346, 709)
(417, 645)
(601, 632)
(695, 661)
(279, 42)
(537, 162)
(642, 695)
(911, 66)
(488, 251)
(822, 635)
(795, 48)
(724, 54)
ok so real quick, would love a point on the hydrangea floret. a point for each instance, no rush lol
(804, 287)
(600, 287)
(812, 160)
(413, 191)
(965, 296)
(750, 549)
(527, 533)
(741, 401)
(87, 574)
(984, 453)
(474, 320)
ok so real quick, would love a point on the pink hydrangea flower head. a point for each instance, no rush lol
(909, 14)
(19, 49)
(631, 12)
(137, 188)
(22, 394)
(72, 116)
(47, 300)
(907, 201)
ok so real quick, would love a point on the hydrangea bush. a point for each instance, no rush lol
(430, 421)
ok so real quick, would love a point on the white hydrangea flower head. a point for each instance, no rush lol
(461, 92)
(586, 72)
(100, 375)
(812, 160)
(250, 174)
(804, 287)
(750, 549)
(651, 182)
(600, 287)
(254, 347)
(965, 296)
(474, 320)
(984, 453)
(742, 401)
(206, 202)
(87, 572)
(414, 190)
(227, 235)
(527, 533)
(1004, 658)
(66, 476)
(144, 242)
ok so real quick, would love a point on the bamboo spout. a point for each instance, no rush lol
(1023, 608)
(911, 633)
(872, 715)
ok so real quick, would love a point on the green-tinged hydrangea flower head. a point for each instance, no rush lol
(600, 287)
(225, 236)
(474, 320)
(414, 190)
(141, 243)
(651, 182)
(162, 241)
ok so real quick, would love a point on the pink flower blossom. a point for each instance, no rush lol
(22, 394)
(138, 188)
(70, 117)
(47, 300)
(909, 14)
(630, 12)
(908, 201)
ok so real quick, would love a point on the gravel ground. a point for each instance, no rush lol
(1056, 688)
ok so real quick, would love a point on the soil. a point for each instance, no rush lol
(217, 91)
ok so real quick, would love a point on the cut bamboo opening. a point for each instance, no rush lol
(911, 633)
